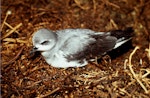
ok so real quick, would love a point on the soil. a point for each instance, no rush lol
(125, 72)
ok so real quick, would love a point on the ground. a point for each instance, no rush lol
(125, 75)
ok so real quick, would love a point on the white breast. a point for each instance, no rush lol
(58, 60)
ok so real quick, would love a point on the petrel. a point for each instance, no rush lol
(75, 47)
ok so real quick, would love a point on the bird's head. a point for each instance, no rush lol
(43, 40)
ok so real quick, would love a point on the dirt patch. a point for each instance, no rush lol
(126, 75)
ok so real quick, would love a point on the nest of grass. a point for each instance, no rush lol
(128, 75)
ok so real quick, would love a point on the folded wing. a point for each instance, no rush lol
(87, 46)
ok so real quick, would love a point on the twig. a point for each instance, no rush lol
(125, 64)
(10, 26)
(113, 23)
(132, 71)
(49, 93)
(148, 52)
(124, 91)
(15, 40)
(94, 6)
(33, 84)
(8, 13)
(11, 31)
(111, 4)
(79, 4)
(147, 73)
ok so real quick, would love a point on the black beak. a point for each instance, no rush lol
(33, 50)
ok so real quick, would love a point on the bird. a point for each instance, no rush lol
(76, 47)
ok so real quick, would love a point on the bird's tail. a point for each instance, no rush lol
(122, 36)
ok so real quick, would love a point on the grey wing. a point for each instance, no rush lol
(88, 48)
(75, 44)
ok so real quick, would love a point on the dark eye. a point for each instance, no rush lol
(45, 42)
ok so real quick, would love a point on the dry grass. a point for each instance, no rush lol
(125, 76)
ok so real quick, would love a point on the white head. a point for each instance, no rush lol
(43, 40)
